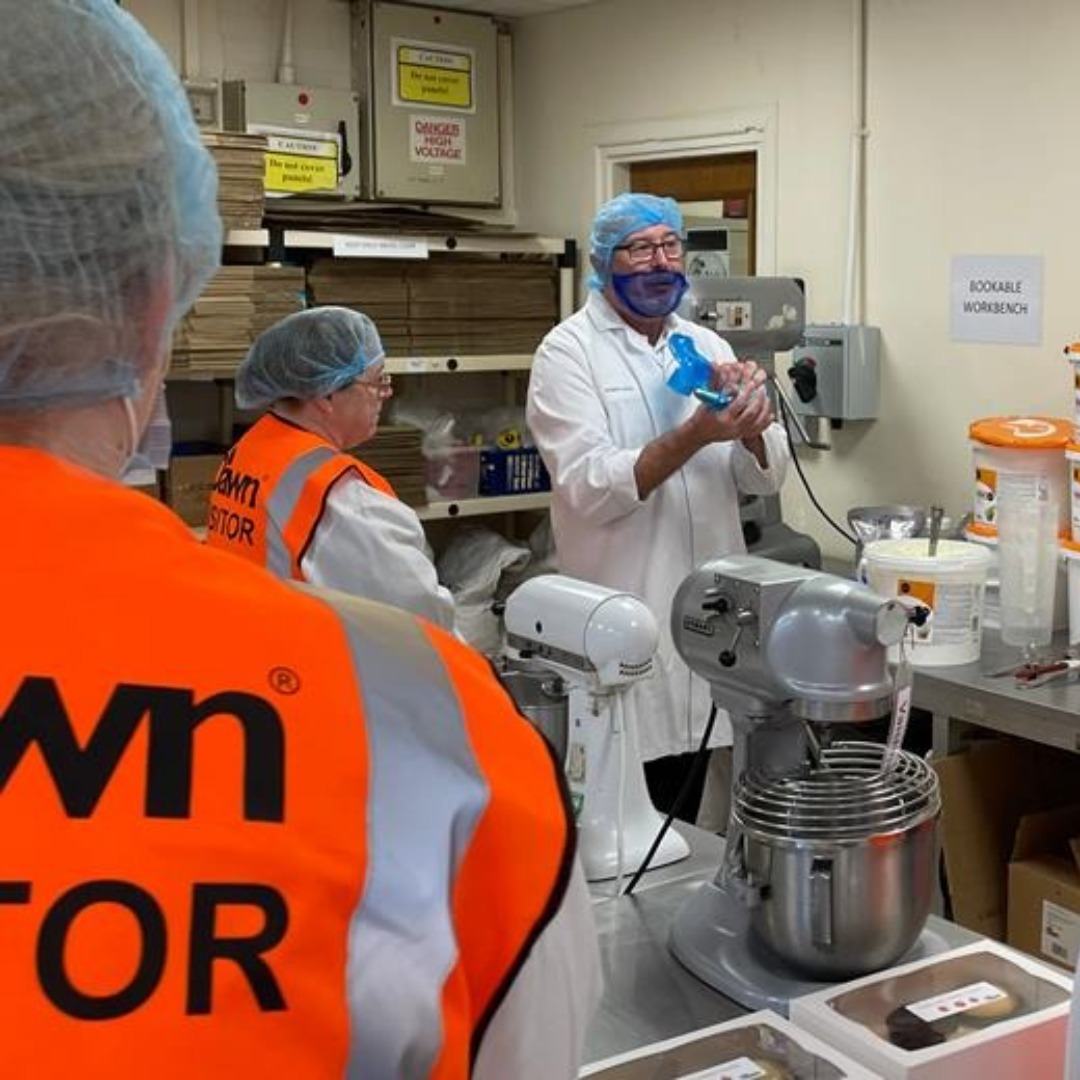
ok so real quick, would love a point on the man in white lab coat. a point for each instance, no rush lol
(645, 480)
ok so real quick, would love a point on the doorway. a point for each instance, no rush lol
(732, 154)
(726, 179)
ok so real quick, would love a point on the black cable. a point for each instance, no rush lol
(785, 415)
(687, 785)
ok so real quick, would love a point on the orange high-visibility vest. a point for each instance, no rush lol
(243, 833)
(271, 490)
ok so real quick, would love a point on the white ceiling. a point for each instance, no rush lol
(514, 8)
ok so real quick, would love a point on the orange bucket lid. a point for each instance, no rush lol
(981, 529)
(1071, 546)
(1022, 432)
(1072, 350)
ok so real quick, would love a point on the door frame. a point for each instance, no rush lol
(617, 146)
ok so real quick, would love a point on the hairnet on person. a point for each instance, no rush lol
(309, 354)
(108, 203)
(617, 219)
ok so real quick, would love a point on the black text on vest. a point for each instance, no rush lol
(239, 487)
(205, 946)
(36, 714)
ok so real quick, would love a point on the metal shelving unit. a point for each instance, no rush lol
(495, 504)
(280, 245)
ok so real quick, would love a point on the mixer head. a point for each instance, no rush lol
(590, 635)
(770, 638)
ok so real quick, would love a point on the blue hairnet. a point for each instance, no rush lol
(617, 219)
(308, 354)
(108, 203)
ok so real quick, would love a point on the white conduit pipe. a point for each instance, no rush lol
(189, 40)
(855, 238)
(286, 72)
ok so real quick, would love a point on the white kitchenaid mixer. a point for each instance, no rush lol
(831, 851)
(599, 641)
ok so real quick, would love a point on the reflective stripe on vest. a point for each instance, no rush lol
(271, 490)
(423, 775)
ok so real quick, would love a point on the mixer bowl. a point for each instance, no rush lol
(541, 698)
(844, 859)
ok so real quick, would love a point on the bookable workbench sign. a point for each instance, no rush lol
(997, 299)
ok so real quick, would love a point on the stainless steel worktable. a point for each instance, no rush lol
(962, 695)
(648, 995)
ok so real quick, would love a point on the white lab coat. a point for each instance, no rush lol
(597, 396)
(373, 545)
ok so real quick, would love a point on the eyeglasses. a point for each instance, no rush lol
(382, 385)
(640, 252)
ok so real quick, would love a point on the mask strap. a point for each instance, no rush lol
(132, 426)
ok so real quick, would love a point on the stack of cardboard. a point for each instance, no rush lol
(375, 288)
(217, 331)
(395, 452)
(277, 291)
(470, 304)
(240, 161)
(235, 307)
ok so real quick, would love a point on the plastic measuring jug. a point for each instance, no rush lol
(1027, 558)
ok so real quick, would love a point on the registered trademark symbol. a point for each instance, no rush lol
(284, 680)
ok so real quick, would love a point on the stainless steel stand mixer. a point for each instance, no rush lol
(831, 854)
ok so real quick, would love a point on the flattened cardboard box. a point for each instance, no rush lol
(1044, 886)
(188, 485)
(985, 792)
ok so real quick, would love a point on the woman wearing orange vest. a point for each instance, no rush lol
(289, 498)
(244, 831)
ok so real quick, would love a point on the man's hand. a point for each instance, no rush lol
(746, 417)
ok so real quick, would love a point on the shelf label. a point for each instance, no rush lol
(351, 246)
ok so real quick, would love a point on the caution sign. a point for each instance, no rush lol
(300, 164)
(434, 75)
(437, 140)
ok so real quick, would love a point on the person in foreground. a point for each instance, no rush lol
(646, 481)
(244, 831)
(288, 496)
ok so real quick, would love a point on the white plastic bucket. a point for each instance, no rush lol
(1070, 550)
(1072, 455)
(951, 583)
(1021, 458)
(1072, 354)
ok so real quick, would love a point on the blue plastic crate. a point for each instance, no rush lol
(512, 472)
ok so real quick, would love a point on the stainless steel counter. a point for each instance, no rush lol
(648, 995)
(963, 695)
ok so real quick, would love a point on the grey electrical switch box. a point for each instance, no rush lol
(428, 81)
(835, 372)
(312, 134)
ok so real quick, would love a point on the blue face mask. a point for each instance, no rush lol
(652, 294)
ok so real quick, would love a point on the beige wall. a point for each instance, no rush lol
(241, 39)
(973, 149)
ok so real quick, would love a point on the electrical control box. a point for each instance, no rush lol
(429, 94)
(835, 371)
(312, 133)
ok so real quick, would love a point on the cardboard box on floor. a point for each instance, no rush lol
(985, 793)
(1044, 886)
(188, 484)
